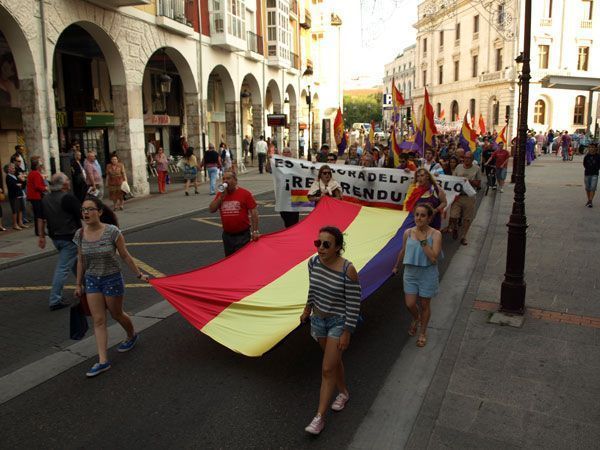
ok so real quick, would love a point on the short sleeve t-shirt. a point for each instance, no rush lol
(501, 157)
(100, 257)
(471, 174)
(234, 210)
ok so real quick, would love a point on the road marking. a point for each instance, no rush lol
(68, 286)
(214, 241)
(146, 268)
(206, 221)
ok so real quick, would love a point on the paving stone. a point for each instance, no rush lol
(459, 411)
(544, 431)
(499, 422)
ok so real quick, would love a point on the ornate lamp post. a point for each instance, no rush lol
(512, 296)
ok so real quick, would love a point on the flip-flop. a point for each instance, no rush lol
(414, 326)
(463, 241)
(422, 341)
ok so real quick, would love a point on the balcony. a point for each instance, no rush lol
(254, 43)
(546, 22)
(307, 22)
(176, 15)
(499, 76)
(119, 3)
(278, 57)
(586, 24)
(294, 8)
(229, 35)
(294, 62)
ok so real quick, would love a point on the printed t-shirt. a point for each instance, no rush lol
(234, 210)
(100, 257)
(501, 157)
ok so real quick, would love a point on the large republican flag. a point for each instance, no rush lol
(253, 299)
(428, 122)
(468, 137)
(338, 130)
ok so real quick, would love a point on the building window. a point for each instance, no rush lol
(579, 111)
(438, 110)
(496, 113)
(588, 9)
(539, 112)
(442, 39)
(424, 46)
(457, 35)
(583, 58)
(408, 95)
(475, 66)
(501, 14)
(424, 78)
(472, 108)
(499, 59)
(476, 24)
(440, 74)
(454, 111)
(456, 70)
(543, 51)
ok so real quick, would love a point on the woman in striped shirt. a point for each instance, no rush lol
(334, 299)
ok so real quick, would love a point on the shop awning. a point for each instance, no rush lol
(572, 83)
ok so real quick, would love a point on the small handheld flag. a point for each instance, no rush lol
(338, 129)
(468, 138)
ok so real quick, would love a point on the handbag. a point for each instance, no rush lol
(2, 197)
(78, 324)
(167, 179)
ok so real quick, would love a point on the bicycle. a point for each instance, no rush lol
(490, 173)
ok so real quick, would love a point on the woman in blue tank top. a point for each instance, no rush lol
(421, 248)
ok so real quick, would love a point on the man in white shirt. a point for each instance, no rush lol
(261, 151)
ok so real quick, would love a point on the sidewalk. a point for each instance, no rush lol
(536, 386)
(17, 247)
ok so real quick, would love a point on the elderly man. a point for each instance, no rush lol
(61, 214)
(93, 175)
(463, 205)
(238, 214)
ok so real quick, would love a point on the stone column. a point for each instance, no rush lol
(232, 128)
(257, 124)
(294, 129)
(278, 130)
(316, 132)
(129, 131)
(192, 121)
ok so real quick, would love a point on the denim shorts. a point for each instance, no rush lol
(591, 182)
(501, 173)
(421, 281)
(109, 285)
(322, 327)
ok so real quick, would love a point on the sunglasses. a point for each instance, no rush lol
(326, 244)
(85, 210)
(325, 173)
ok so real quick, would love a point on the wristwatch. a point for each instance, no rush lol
(423, 242)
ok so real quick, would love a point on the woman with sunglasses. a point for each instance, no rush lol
(97, 266)
(324, 185)
(421, 249)
(334, 300)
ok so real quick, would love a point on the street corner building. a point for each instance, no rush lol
(128, 76)
(270, 293)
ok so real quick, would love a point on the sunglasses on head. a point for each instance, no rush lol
(326, 244)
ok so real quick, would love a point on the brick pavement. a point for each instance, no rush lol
(537, 386)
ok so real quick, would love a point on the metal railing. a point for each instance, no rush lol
(546, 22)
(181, 11)
(586, 24)
(295, 61)
(255, 42)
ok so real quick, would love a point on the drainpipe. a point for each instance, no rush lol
(200, 78)
(51, 158)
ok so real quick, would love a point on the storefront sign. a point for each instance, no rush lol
(62, 120)
(161, 120)
(83, 119)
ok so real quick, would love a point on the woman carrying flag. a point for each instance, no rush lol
(424, 189)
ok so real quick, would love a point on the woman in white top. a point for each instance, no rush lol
(324, 185)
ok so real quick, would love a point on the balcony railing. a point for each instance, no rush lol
(255, 42)
(546, 22)
(586, 24)
(294, 61)
(181, 11)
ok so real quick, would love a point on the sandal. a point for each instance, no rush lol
(422, 341)
(414, 326)
(463, 241)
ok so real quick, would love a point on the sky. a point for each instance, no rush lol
(385, 30)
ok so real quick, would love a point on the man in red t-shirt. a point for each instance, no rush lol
(501, 157)
(238, 211)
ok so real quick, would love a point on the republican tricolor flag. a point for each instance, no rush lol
(481, 125)
(502, 136)
(468, 137)
(338, 130)
(428, 122)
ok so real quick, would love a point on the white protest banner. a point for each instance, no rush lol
(386, 188)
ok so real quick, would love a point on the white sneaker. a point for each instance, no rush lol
(501, 190)
(340, 402)
(316, 426)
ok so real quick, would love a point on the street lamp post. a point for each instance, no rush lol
(512, 296)
(309, 102)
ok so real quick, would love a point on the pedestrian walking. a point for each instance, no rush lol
(14, 186)
(93, 175)
(190, 170)
(421, 249)
(61, 218)
(162, 169)
(333, 306)
(565, 143)
(324, 185)
(463, 207)
(425, 190)
(115, 177)
(36, 188)
(98, 270)
(499, 158)
(239, 216)
(78, 176)
(226, 157)
(2, 195)
(261, 148)
(245, 148)
(591, 164)
(211, 163)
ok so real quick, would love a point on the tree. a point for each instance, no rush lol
(362, 109)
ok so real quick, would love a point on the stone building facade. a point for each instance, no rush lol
(402, 71)
(227, 71)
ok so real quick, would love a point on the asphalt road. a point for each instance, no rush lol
(178, 388)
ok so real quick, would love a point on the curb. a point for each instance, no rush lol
(424, 424)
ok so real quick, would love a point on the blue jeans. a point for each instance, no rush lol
(213, 173)
(67, 261)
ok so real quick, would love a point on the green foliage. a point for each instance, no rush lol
(362, 108)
